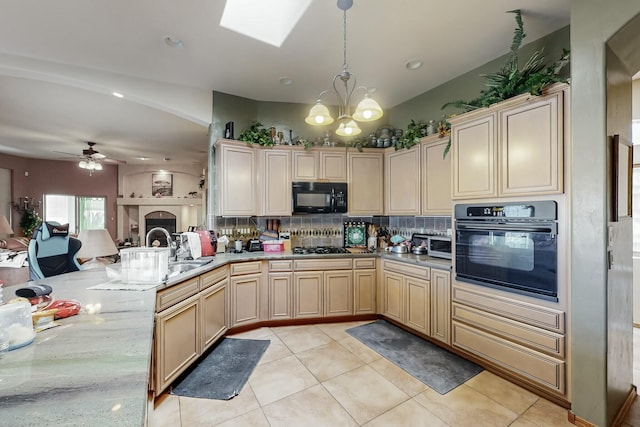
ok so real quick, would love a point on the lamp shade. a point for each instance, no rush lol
(96, 243)
(5, 228)
(349, 128)
(367, 110)
(319, 115)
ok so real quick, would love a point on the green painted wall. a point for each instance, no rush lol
(593, 22)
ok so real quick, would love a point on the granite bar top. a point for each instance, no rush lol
(92, 370)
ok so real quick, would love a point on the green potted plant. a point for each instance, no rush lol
(410, 137)
(256, 134)
(29, 221)
(511, 81)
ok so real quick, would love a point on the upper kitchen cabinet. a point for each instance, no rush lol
(402, 181)
(324, 164)
(512, 148)
(365, 179)
(436, 176)
(236, 179)
(275, 182)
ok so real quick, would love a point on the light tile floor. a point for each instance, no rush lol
(318, 375)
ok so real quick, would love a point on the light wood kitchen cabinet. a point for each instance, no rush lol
(307, 294)
(365, 177)
(436, 177)
(418, 297)
(244, 282)
(280, 291)
(364, 285)
(441, 305)
(325, 165)
(338, 293)
(473, 148)
(213, 306)
(531, 146)
(402, 182)
(177, 340)
(236, 174)
(513, 148)
(520, 337)
(275, 182)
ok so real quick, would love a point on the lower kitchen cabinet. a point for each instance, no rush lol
(417, 297)
(338, 293)
(213, 309)
(364, 291)
(177, 340)
(245, 299)
(307, 294)
(280, 291)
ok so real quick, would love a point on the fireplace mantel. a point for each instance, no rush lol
(159, 201)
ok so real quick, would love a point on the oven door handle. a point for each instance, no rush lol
(523, 227)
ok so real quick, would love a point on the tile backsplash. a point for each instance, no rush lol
(326, 229)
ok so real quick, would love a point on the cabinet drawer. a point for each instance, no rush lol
(281, 265)
(323, 264)
(521, 311)
(213, 277)
(407, 269)
(364, 263)
(168, 297)
(531, 365)
(528, 336)
(246, 268)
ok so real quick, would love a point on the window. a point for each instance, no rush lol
(81, 213)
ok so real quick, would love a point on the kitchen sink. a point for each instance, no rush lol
(179, 267)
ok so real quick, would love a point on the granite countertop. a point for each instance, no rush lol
(93, 369)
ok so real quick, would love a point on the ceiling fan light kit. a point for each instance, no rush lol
(366, 111)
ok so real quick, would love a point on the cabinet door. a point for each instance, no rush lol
(276, 183)
(393, 288)
(473, 146)
(280, 290)
(307, 293)
(213, 310)
(402, 182)
(177, 341)
(436, 179)
(441, 305)
(305, 166)
(364, 291)
(418, 302)
(245, 299)
(333, 166)
(236, 169)
(338, 293)
(531, 147)
(365, 178)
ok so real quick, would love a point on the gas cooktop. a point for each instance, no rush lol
(319, 250)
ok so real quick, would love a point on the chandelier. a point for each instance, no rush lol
(367, 110)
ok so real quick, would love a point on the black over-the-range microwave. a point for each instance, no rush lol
(319, 197)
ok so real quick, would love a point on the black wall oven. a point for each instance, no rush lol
(509, 246)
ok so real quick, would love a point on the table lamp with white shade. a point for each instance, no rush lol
(5, 230)
(95, 244)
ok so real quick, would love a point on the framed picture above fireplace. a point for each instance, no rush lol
(162, 184)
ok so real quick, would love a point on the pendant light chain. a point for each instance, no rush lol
(344, 63)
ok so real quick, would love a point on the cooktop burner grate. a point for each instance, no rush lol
(319, 250)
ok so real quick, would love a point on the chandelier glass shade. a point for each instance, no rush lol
(90, 164)
(366, 111)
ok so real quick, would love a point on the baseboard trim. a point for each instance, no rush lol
(619, 418)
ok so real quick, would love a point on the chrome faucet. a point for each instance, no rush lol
(170, 243)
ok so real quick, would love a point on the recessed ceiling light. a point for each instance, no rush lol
(172, 41)
(286, 81)
(143, 158)
(117, 94)
(414, 64)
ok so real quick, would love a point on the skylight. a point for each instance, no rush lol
(269, 21)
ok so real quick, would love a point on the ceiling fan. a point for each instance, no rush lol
(92, 159)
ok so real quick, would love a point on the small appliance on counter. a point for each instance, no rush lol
(435, 246)
(254, 245)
